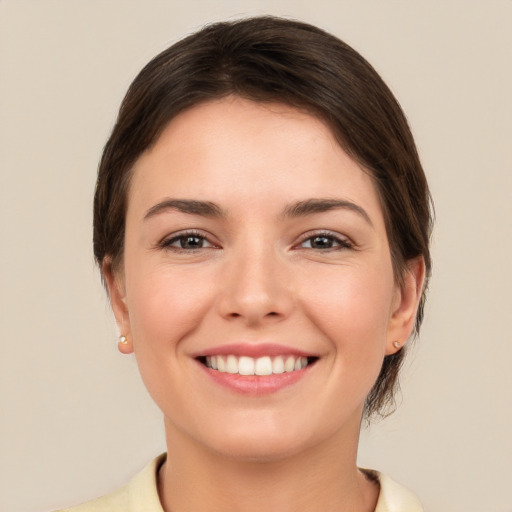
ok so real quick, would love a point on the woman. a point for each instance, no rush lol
(262, 225)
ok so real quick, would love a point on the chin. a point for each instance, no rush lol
(262, 441)
(258, 449)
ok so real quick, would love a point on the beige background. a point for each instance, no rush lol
(75, 419)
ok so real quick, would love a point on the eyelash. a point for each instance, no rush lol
(167, 242)
(342, 243)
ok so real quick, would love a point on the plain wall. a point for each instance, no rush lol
(76, 421)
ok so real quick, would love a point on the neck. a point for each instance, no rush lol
(323, 478)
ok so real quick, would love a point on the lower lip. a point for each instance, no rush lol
(256, 385)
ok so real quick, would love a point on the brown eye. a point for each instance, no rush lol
(191, 242)
(325, 241)
(321, 242)
(186, 242)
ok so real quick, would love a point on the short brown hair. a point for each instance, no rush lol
(272, 59)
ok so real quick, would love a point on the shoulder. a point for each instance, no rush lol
(141, 493)
(393, 497)
(116, 501)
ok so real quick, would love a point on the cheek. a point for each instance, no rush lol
(166, 304)
(352, 309)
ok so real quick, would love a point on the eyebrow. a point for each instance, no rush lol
(192, 207)
(298, 209)
(311, 206)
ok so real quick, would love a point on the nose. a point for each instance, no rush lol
(256, 287)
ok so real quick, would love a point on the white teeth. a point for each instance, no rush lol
(246, 366)
(265, 365)
(289, 364)
(278, 365)
(300, 363)
(231, 364)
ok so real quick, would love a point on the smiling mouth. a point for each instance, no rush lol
(261, 366)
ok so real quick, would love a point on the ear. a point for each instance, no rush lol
(405, 305)
(117, 294)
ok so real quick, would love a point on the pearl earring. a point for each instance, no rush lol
(396, 344)
(123, 340)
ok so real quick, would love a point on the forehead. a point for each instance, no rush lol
(240, 151)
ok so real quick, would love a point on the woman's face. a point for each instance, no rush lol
(255, 246)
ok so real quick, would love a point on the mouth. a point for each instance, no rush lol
(261, 366)
(256, 369)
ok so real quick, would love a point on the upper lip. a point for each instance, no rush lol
(254, 350)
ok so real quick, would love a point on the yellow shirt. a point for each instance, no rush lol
(141, 495)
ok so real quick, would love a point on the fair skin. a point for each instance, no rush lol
(292, 260)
